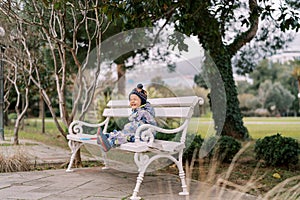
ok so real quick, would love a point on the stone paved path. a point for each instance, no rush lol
(95, 183)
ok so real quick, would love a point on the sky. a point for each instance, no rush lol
(295, 45)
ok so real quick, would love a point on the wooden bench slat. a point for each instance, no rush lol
(156, 102)
(180, 112)
(159, 145)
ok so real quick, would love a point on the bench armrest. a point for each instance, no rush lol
(76, 126)
(145, 131)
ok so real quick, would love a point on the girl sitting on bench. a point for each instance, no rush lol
(142, 113)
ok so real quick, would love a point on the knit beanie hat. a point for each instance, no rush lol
(142, 94)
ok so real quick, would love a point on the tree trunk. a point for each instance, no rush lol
(6, 119)
(77, 160)
(226, 112)
(42, 112)
(298, 96)
(233, 124)
(298, 86)
(121, 78)
(16, 131)
(22, 123)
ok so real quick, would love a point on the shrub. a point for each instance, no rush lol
(14, 163)
(226, 148)
(193, 143)
(116, 124)
(12, 116)
(277, 150)
(164, 136)
(169, 123)
(208, 147)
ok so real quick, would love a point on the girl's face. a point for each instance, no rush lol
(135, 101)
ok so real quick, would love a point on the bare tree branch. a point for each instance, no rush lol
(248, 35)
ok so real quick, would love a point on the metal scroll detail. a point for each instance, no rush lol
(75, 128)
(141, 160)
(148, 135)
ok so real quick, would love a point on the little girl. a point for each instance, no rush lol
(142, 113)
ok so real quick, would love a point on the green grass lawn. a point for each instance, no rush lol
(32, 130)
(272, 119)
(258, 127)
(261, 130)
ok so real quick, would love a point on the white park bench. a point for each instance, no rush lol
(174, 107)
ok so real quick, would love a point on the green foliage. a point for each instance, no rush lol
(158, 89)
(116, 124)
(12, 116)
(210, 22)
(274, 97)
(169, 123)
(163, 136)
(233, 124)
(208, 146)
(226, 148)
(274, 86)
(223, 148)
(277, 150)
(89, 130)
(274, 72)
(248, 102)
(193, 141)
(280, 97)
(193, 144)
(199, 80)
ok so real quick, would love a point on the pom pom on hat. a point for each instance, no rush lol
(142, 94)
(139, 86)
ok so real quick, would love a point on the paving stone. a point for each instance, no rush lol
(95, 183)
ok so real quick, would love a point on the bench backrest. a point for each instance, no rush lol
(178, 107)
(173, 107)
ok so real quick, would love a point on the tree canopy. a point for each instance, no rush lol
(69, 29)
(223, 28)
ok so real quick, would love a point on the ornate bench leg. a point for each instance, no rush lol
(183, 184)
(105, 160)
(142, 162)
(182, 176)
(74, 146)
(139, 181)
